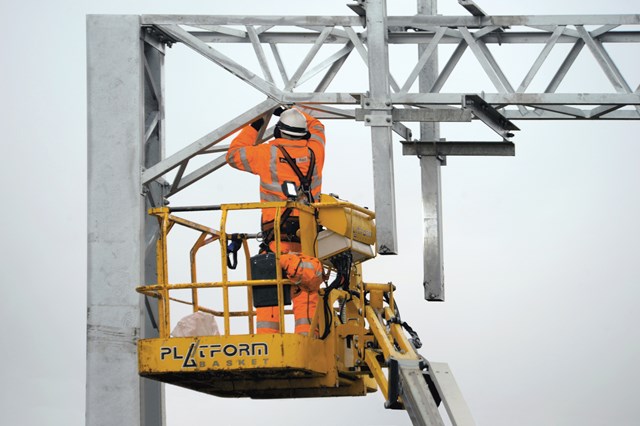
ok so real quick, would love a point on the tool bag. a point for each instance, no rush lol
(263, 267)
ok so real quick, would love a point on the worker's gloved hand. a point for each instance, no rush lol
(279, 111)
(258, 124)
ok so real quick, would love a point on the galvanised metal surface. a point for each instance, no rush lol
(116, 218)
(430, 177)
(371, 36)
(379, 105)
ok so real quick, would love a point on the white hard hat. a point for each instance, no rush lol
(293, 123)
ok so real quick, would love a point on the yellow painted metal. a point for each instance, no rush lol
(223, 258)
(202, 241)
(376, 294)
(275, 365)
(234, 353)
(384, 340)
(398, 334)
(308, 233)
(347, 219)
(377, 371)
(251, 313)
(350, 361)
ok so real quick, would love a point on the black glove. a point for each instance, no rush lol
(279, 111)
(258, 124)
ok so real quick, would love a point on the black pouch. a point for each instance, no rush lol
(263, 267)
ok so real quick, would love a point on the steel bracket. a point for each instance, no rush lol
(440, 148)
(489, 115)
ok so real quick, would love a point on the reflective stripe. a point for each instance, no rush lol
(273, 165)
(318, 127)
(316, 181)
(318, 138)
(230, 158)
(273, 325)
(306, 265)
(304, 333)
(273, 187)
(303, 321)
(266, 197)
(245, 162)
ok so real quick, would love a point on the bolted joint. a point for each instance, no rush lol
(378, 120)
(375, 104)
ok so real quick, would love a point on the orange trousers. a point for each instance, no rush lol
(304, 308)
(304, 305)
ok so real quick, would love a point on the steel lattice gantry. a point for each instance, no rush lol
(390, 102)
(126, 122)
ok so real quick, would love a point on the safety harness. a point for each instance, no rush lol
(305, 180)
(305, 187)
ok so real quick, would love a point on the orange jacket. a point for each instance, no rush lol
(267, 161)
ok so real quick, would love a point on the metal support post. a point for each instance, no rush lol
(433, 264)
(152, 396)
(116, 220)
(432, 221)
(380, 121)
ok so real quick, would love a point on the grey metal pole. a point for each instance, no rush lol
(380, 120)
(433, 281)
(116, 224)
(152, 395)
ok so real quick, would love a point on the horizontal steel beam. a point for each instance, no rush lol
(432, 148)
(320, 98)
(456, 98)
(520, 98)
(512, 20)
(513, 114)
(296, 21)
(401, 21)
(421, 114)
(401, 37)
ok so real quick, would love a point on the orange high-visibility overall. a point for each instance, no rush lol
(267, 161)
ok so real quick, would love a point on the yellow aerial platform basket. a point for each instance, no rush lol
(349, 344)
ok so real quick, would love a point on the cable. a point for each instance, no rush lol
(342, 264)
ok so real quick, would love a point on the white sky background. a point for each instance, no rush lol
(540, 325)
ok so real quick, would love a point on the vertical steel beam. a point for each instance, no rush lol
(433, 264)
(152, 395)
(116, 217)
(380, 104)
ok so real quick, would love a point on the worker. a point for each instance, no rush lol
(299, 143)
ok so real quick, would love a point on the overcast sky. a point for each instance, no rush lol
(540, 323)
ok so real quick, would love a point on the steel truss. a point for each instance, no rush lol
(391, 102)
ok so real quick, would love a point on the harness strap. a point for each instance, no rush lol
(305, 181)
